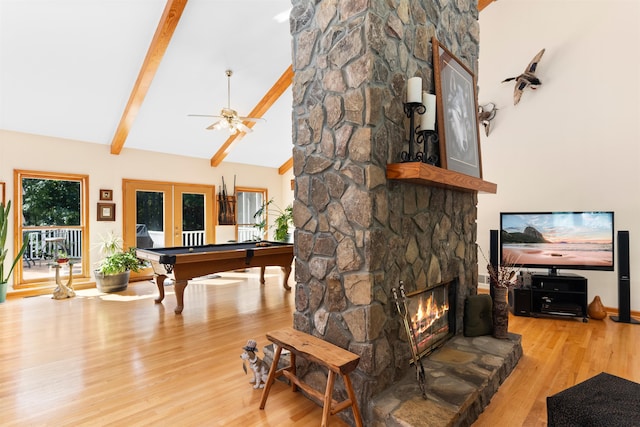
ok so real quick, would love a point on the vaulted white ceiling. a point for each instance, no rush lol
(68, 67)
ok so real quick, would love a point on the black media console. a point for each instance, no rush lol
(551, 295)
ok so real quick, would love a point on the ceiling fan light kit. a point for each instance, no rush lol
(229, 118)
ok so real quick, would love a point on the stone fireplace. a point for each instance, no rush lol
(359, 233)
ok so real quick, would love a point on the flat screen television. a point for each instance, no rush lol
(558, 240)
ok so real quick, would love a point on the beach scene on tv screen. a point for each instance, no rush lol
(573, 239)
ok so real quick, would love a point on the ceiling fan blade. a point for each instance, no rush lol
(202, 115)
(252, 119)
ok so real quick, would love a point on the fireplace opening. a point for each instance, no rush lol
(430, 317)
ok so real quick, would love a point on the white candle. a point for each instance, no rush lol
(414, 89)
(428, 120)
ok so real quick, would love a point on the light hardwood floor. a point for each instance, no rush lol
(559, 353)
(121, 360)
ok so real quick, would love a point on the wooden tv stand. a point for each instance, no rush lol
(559, 295)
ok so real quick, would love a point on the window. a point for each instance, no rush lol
(249, 201)
(54, 221)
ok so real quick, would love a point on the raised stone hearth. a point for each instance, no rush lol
(462, 376)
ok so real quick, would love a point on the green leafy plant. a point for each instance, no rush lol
(282, 223)
(62, 256)
(4, 224)
(115, 259)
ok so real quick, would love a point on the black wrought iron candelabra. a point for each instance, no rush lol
(430, 141)
(410, 109)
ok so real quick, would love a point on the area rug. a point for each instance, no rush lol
(603, 400)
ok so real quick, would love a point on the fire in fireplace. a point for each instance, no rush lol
(428, 315)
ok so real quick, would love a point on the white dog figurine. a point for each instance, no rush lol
(258, 366)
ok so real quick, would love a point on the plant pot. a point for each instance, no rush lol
(112, 282)
(3, 291)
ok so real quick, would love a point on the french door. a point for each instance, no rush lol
(163, 214)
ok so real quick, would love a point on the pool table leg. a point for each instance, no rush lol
(287, 272)
(179, 288)
(160, 284)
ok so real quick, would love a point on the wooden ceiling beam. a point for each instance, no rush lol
(164, 32)
(167, 25)
(286, 166)
(260, 109)
(484, 3)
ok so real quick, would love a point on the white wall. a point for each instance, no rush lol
(287, 192)
(38, 153)
(574, 143)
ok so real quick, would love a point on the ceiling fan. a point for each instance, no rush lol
(229, 118)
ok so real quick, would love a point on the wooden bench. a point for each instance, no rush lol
(336, 359)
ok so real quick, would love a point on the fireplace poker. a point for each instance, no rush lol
(417, 361)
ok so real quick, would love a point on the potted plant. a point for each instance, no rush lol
(112, 273)
(282, 223)
(4, 224)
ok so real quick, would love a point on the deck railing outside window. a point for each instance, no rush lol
(248, 233)
(46, 243)
(193, 238)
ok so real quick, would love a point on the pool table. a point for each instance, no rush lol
(187, 262)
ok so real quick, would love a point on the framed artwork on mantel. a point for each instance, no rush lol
(457, 113)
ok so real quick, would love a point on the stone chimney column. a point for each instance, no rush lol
(358, 234)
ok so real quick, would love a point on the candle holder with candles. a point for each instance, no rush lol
(427, 134)
(411, 107)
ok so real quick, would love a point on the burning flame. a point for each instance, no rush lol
(427, 314)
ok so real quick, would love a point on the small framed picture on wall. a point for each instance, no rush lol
(106, 194)
(106, 211)
(2, 192)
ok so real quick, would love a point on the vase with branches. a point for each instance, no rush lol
(503, 277)
(505, 274)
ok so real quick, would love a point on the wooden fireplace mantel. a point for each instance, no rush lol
(424, 174)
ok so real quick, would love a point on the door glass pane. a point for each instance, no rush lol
(193, 215)
(149, 219)
(248, 204)
(52, 224)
